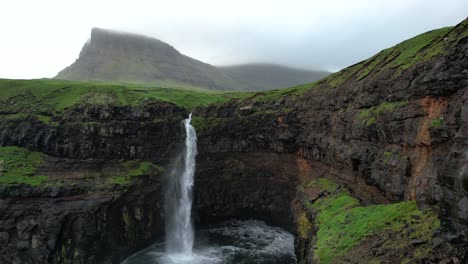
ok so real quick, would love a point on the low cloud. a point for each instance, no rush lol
(43, 37)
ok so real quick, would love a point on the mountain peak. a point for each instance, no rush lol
(111, 55)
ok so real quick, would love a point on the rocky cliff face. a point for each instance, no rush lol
(150, 131)
(373, 140)
(97, 202)
(401, 129)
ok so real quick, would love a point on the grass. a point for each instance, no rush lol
(53, 95)
(340, 77)
(404, 55)
(26, 116)
(203, 123)
(132, 168)
(272, 95)
(370, 115)
(401, 56)
(438, 122)
(343, 223)
(19, 165)
(50, 95)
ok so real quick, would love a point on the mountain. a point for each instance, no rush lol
(257, 77)
(367, 165)
(124, 57)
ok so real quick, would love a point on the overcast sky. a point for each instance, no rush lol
(39, 38)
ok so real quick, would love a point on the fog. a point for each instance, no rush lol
(40, 38)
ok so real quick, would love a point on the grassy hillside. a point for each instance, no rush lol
(46, 95)
(130, 58)
(258, 77)
(400, 57)
(124, 57)
(51, 95)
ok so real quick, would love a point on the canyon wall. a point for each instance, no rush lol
(384, 135)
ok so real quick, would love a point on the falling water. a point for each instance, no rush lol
(179, 228)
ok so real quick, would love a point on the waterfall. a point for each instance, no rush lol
(179, 227)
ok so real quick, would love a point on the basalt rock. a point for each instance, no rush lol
(394, 135)
(78, 222)
(151, 132)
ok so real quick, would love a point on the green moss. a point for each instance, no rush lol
(272, 95)
(371, 121)
(13, 116)
(370, 115)
(305, 226)
(438, 122)
(19, 166)
(323, 184)
(340, 77)
(132, 168)
(387, 156)
(365, 113)
(406, 54)
(343, 223)
(202, 123)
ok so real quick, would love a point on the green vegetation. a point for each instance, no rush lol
(402, 56)
(340, 77)
(132, 168)
(407, 53)
(370, 115)
(371, 121)
(202, 123)
(278, 93)
(48, 95)
(19, 165)
(24, 116)
(438, 122)
(343, 223)
(305, 226)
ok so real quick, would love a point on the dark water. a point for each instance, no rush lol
(232, 242)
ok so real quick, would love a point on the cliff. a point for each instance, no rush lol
(368, 164)
(391, 128)
(123, 57)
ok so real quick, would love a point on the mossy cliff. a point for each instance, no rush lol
(346, 232)
(392, 129)
(366, 164)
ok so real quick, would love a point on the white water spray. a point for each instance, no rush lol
(179, 227)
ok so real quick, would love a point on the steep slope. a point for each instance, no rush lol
(367, 165)
(390, 131)
(122, 57)
(257, 77)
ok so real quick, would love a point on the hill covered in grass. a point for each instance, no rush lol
(45, 95)
(258, 77)
(367, 165)
(49, 95)
(123, 57)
